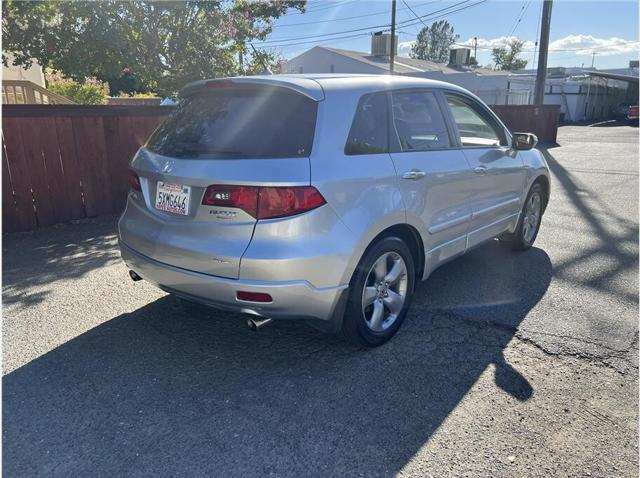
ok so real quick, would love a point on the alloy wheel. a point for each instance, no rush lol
(385, 291)
(531, 219)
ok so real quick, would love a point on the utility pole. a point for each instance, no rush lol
(541, 75)
(593, 59)
(475, 48)
(393, 36)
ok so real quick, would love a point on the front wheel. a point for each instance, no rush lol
(529, 222)
(380, 292)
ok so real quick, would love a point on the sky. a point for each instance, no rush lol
(578, 28)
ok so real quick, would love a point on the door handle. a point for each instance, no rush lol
(414, 174)
(480, 170)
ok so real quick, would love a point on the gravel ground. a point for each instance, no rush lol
(508, 364)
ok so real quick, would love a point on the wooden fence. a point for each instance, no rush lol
(67, 162)
(64, 162)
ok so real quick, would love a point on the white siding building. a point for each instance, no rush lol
(490, 85)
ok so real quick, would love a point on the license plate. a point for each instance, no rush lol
(173, 198)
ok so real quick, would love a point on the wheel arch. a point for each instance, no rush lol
(412, 239)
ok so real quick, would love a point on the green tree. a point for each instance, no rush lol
(433, 43)
(164, 44)
(506, 57)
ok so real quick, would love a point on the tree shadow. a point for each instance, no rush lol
(174, 388)
(62, 252)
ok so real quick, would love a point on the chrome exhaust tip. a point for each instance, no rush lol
(134, 276)
(255, 324)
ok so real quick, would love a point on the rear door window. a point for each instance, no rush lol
(418, 121)
(476, 127)
(238, 122)
(369, 132)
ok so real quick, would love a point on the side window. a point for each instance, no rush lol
(369, 132)
(418, 121)
(476, 128)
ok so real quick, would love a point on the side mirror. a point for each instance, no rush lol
(524, 141)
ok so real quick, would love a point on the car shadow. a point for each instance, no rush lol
(174, 388)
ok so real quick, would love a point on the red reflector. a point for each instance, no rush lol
(219, 84)
(253, 296)
(134, 181)
(265, 202)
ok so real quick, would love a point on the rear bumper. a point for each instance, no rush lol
(291, 299)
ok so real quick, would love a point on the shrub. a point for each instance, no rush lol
(138, 95)
(91, 92)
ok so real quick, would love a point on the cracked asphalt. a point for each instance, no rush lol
(509, 364)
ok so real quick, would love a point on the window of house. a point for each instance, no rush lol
(418, 121)
(475, 126)
(369, 133)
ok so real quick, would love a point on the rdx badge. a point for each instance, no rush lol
(223, 214)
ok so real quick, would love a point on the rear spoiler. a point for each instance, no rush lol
(305, 86)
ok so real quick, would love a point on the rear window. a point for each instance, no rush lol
(237, 123)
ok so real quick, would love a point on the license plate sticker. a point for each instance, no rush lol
(171, 197)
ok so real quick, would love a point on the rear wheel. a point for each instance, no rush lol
(529, 222)
(380, 292)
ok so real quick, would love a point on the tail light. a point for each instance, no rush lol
(134, 181)
(265, 202)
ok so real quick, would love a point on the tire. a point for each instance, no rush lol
(523, 237)
(376, 323)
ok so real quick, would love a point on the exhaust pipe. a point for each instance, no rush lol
(255, 324)
(134, 276)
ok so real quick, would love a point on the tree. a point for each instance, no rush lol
(433, 43)
(506, 57)
(162, 44)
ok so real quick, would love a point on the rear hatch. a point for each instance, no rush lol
(199, 177)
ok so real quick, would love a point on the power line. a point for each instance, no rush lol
(519, 18)
(352, 33)
(451, 12)
(385, 12)
(374, 27)
(325, 7)
(414, 13)
(319, 41)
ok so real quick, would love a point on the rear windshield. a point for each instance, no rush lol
(238, 122)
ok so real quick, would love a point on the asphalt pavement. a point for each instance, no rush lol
(509, 364)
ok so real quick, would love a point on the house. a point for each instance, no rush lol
(490, 85)
(26, 85)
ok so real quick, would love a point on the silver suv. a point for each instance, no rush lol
(325, 197)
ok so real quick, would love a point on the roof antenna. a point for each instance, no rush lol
(265, 68)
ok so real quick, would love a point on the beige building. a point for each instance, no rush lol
(34, 74)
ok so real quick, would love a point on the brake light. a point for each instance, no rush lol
(265, 202)
(134, 181)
